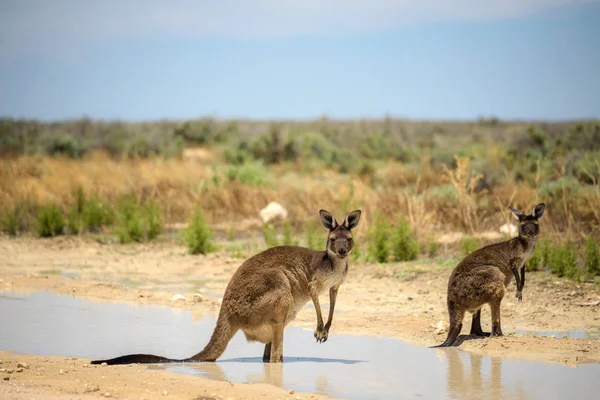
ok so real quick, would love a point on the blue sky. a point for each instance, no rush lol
(435, 59)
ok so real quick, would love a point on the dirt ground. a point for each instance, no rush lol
(399, 300)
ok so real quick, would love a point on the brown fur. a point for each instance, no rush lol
(267, 291)
(482, 277)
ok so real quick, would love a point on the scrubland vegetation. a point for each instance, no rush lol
(416, 182)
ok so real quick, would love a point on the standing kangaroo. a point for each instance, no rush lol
(267, 291)
(482, 276)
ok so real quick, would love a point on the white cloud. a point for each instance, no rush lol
(60, 25)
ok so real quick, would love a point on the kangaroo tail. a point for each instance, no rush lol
(213, 350)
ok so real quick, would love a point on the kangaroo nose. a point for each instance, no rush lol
(343, 251)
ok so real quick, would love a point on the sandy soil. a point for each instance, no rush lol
(401, 300)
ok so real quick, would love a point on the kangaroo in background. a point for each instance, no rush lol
(482, 276)
(267, 291)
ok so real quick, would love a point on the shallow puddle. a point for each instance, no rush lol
(584, 333)
(355, 367)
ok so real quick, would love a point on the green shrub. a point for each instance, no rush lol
(129, 224)
(198, 236)
(97, 214)
(468, 244)
(288, 234)
(592, 256)
(377, 242)
(50, 221)
(249, 173)
(312, 239)
(432, 247)
(12, 219)
(539, 259)
(403, 245)
(152, 219)
(563, 260)
(269, 234)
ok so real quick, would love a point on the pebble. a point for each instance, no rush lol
(19, 369)
(6, 378)
(198, 298)
(62, 371)
(91, 388)
(107, 394)
(165, 393)
(292, 392)
(23, 365)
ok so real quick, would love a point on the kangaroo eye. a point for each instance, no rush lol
(332, 240)
(349, 240)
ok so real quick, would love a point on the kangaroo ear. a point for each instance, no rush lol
(538, 211)
(518, 214)
(327, 220)
(352, 219)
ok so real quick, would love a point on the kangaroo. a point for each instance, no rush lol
(267, 291)
(482, 276)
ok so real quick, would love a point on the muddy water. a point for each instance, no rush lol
(346, 366)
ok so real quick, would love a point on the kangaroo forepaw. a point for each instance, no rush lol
(321, 335)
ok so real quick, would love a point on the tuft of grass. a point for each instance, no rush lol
(198, 236)
(468, 244)
(129, 224)
(12, 220)
(591, 256)
(433, 247)
(312, 239)
(288, 234)
(563, 260)
(377, 244)
(269, 234)
(403, 245)
(540, 256)
(97, 214)
(50, 221)
(152, 219)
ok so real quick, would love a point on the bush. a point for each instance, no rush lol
(468, 244)
(403, 245)
(540, 256)
(312, 239)
(432, 247)
(12, 219)
(592, 256)
(198, 235)
(377, 243)
(563, 260)
(152, 219)
(269, 234)
(129, 225)
(97, 214)
(288, 239)
(249, 173)
(50, 221)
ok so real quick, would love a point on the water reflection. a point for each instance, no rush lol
(353, 367)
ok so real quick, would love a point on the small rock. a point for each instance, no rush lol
(23, 365)
(107, 394)
(2, 369)
(19, 369)
(297, 397)
(220, 397)
(91, 388)
(165, 393)
(410, 298)
(62, 372)
(9, 370)
(6, 378)
(198, 298)
(104, 363)
(292, 392)
(178, 297)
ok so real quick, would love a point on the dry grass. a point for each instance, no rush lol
(433, 200)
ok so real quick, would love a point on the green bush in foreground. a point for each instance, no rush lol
(129, 224)
(592, 256)
(377, 243)
(50, 221)
(198, 235)
(468, 244)
(563, 260)
(403, 245)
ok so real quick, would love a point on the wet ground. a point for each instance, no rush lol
(355, 367)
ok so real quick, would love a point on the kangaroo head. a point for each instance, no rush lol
(339, 240)
(528, 224)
